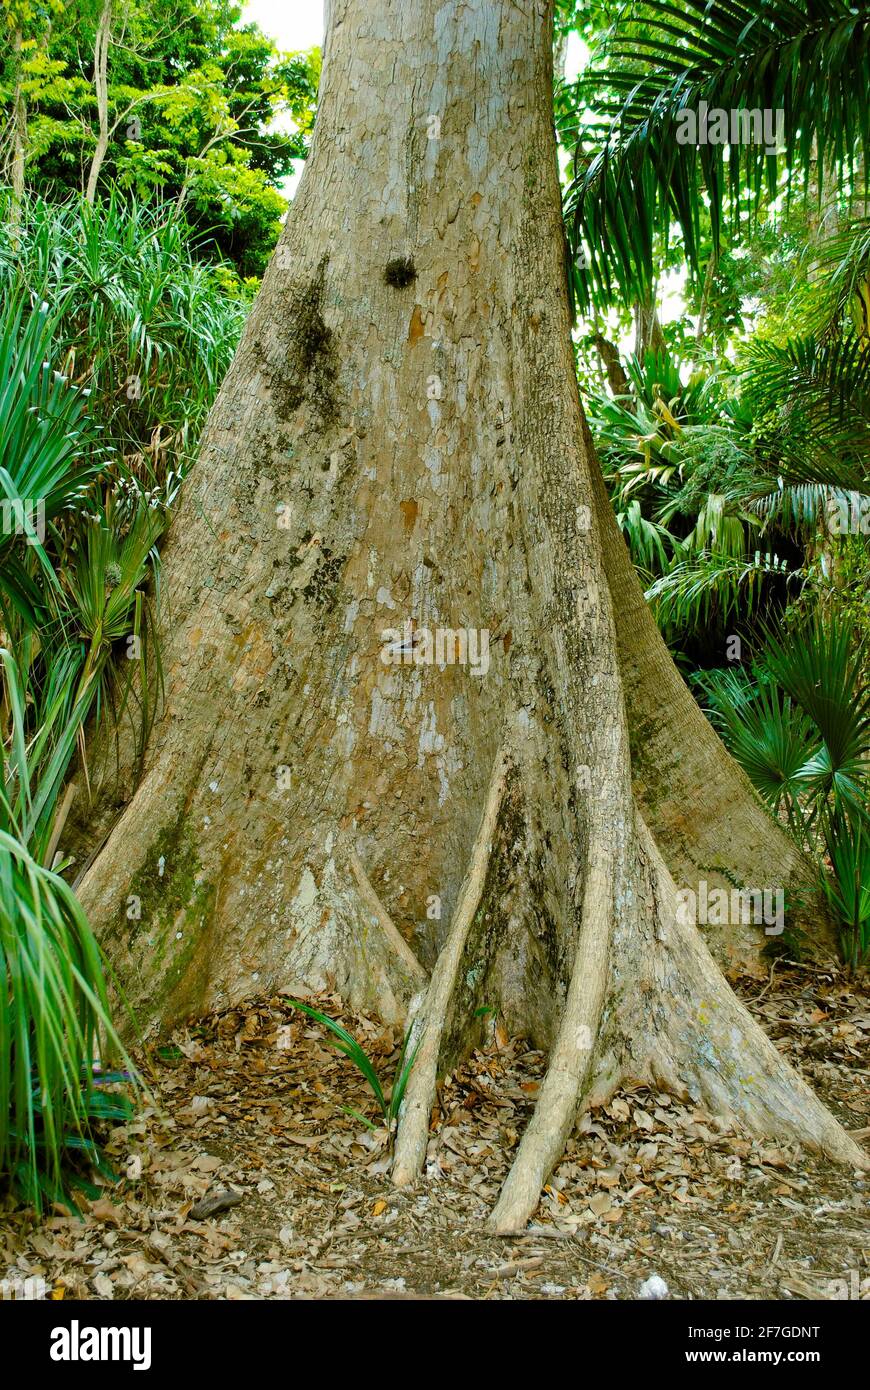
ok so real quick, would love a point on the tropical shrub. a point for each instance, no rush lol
(138, 319)
(57, 1042)
(798, 722)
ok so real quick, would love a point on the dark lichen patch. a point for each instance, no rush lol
(321, 587)
(400, 272)
(311, 371)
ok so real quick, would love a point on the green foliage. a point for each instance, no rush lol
(49, 445)
(57, 1042)
(714, 585)
(847, 886)
(799, 725)
(74, 590)
(812, 403)
(634, 179)
(95, 300)
(202, 111)
(679, 469)
(725, 486)
(781, 463)
(819, 668)
(796, 724)
(351, 1049)
(137, 319)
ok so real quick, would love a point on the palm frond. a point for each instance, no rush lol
(55, 1020)
(819, 666)
(817, 396)
(771, 738)
(847, 886)
(715, 582)
(737, 56)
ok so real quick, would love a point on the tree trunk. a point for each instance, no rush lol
(648, 336)
(396, 742)
(704, 302)
(19, 131)
(101, 89)
(609, 354)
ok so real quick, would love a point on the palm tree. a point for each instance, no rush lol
(643, 178)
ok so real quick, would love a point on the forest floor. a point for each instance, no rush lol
(249, 1103)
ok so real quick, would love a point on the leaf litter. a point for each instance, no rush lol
(247, 1178)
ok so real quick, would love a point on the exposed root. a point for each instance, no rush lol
(544, 1139)
(413, 1129)
(676, 1024)
(699, 1034)
(380, 915)
(59, 823)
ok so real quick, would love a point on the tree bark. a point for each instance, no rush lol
(19, 131)
(398, 451)
(609, 354)
(704, 302)
(648, 336)
(101, 89)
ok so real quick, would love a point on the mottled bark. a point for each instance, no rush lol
(18, 132)
(101, 91)
(704, 301)
(609, 354)
(648, 336)
(398, 451)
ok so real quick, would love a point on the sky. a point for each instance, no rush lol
(293, 24)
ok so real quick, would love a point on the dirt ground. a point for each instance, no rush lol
(249, 1103)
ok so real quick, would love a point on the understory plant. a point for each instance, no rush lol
(140, 320)
(798, 722)
(847, 886)
(78, 557)
(113, 340)
(348, 1045)
(59, 1051)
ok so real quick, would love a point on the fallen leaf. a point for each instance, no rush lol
(214, 1202)
(103, 1210)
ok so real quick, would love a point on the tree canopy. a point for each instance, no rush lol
(202, 109)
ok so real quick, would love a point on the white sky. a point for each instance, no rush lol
(293, 24)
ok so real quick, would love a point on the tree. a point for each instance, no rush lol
(174, 97)
(408, 653)
(793, 65)
(102, 40)
(26, 27)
